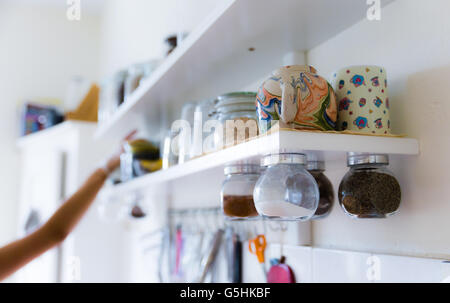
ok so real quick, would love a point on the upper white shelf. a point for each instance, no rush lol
(215, 58)
(323, 146)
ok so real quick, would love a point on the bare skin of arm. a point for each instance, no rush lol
(55, 230)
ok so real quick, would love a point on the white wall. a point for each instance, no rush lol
(412, 41)
(39, 52)
(134, 30)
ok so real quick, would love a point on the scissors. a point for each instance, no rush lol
(257, 246)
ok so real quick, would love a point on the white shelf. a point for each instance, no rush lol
(324, 146)
(52, 133)
(215, 58)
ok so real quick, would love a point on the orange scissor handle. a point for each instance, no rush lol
(257, 246)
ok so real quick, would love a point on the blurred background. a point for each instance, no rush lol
(47, 59)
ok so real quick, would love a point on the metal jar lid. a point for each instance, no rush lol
(315, 165)
(242, 107)
(236, 98)
(241, 169)
(283, 158)
(365, 158)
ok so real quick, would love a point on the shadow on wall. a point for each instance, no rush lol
(422, 112)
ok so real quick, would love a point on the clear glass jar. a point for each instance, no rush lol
(140, 157)
(134, 76)
(169, 150)
(237, 191)
(200, 144)
(112, 93)
(316, 169)
(286, 190)
(239, 109)
(185, 136)
(369, 189)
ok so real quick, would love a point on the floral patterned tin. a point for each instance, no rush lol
(298, 98)
(363, 103)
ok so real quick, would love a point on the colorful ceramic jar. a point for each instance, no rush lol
(363, 100)
(297, 97)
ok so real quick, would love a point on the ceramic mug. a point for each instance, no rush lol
(298, 98)
(363, 103)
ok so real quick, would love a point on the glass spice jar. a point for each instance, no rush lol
(239, 109)
(112, 94)
(286, 190)
(237, 191)
(369, 189)
(316, 169)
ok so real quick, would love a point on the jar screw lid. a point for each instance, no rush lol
(366, 158)
(241, 169)
(283, 158)
(315, 165)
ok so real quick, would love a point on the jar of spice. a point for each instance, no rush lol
(286, 190)
(134, 76)
(369, 189)
(237, 114)
(140, 157)
(112, 94)
(237, 190)
(316, 169)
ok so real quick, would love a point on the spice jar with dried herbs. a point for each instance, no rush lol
(326, 193)
(369, 189)
(237, 190)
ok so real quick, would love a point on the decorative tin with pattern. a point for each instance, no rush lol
(297, 97)
(363, 102)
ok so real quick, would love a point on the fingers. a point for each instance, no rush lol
(130, 135)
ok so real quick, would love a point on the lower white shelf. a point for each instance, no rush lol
(322, 146)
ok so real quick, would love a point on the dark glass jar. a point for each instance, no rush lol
(369, 189)
(316, 169)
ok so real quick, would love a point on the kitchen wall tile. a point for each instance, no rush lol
(402, 269)
(334, 266)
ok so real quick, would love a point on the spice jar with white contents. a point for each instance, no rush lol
(316, 169)
(237, 191)
(369, 189)
(286, 190)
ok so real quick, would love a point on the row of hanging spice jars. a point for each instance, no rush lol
(281, 188)
(291, 188)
